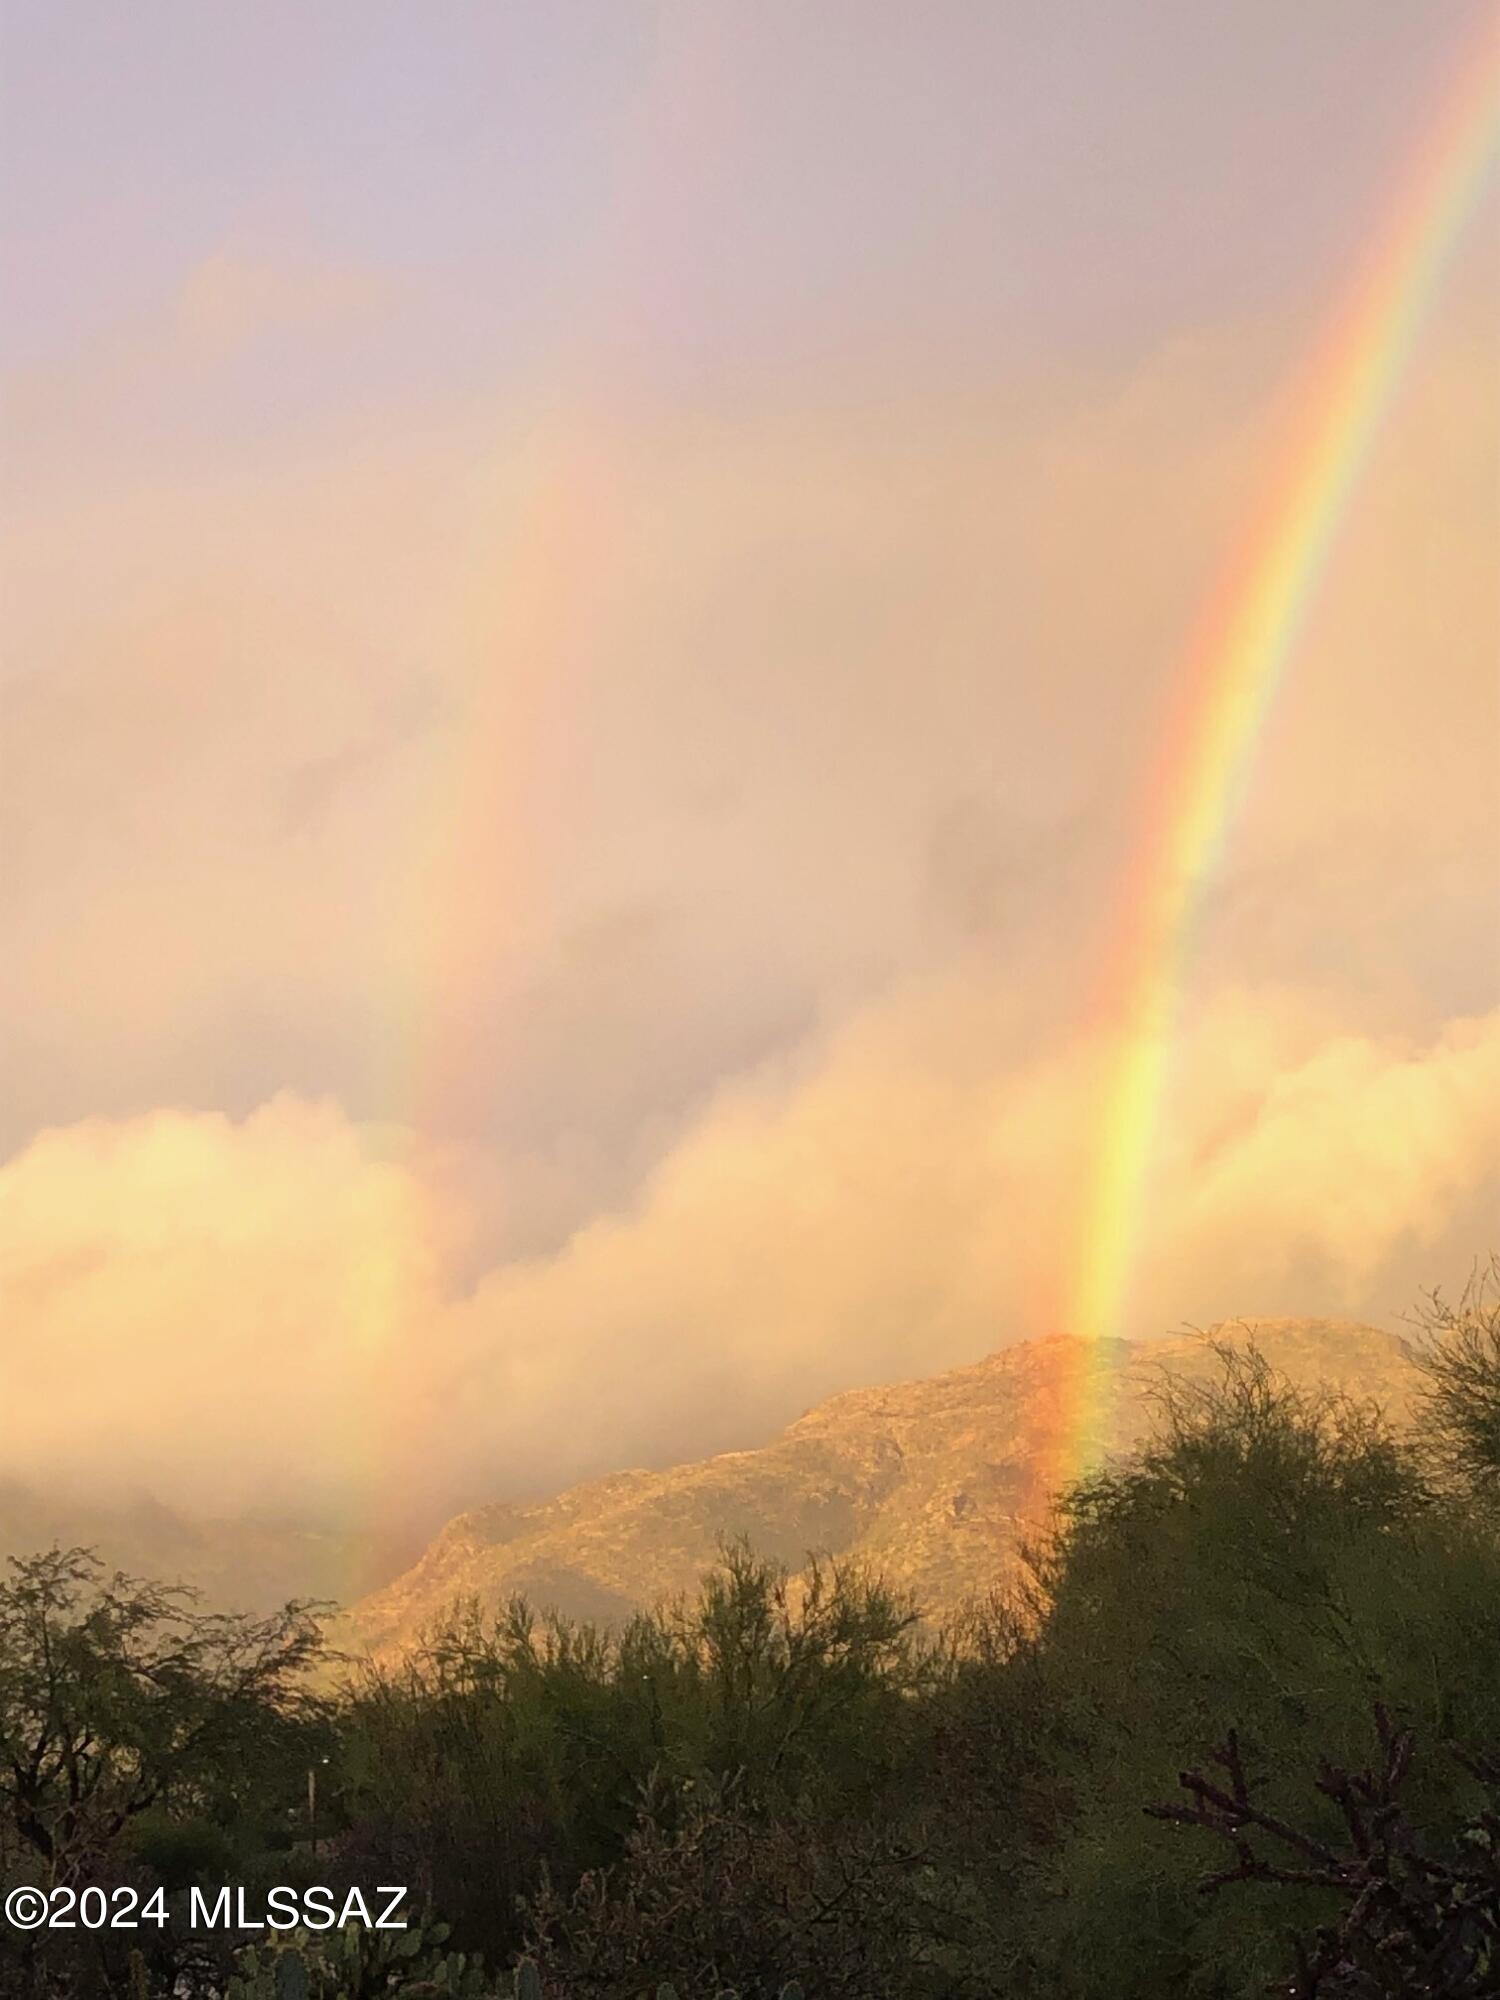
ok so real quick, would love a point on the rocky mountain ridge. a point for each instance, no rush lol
(934, 1482)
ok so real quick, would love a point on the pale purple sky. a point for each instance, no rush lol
(732, 188)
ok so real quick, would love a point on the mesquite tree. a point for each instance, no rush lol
(117, 1696)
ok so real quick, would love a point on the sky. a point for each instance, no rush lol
(590, 590)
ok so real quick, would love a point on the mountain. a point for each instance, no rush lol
(240, 1565)
(930, 1481)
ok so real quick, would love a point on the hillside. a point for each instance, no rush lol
(927, 1480)
(238, 1565)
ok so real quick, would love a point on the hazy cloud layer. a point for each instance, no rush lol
(522, 784)
(265, 1313)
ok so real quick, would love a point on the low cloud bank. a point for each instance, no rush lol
(272, 1313)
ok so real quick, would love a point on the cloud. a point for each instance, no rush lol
(1364, 1148)
(348, 738)
(202, 1308)
(908, 1203)
(270, 1313)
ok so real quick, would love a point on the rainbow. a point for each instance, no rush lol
(552, 508)
(1233, 668)
(553, 517)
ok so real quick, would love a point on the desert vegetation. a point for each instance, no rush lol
(1235, 1731)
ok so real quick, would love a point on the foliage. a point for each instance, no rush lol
(1460, 1356)
(1268, 1552)
(719, 1894)
(144, 1743)
(513, 1748)
(117, 1696)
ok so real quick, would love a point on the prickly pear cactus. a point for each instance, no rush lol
(272, 1972)
(291, 1977)
(358, 1964)
(528, 1981)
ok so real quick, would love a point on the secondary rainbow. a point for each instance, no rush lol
(1232, 671)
